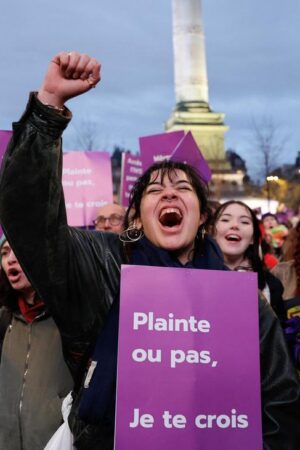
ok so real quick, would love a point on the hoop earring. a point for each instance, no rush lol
(201, 234)
(131, 234)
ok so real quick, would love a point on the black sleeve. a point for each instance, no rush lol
(280, 387)
(65, 265)
(71, 269)
(32, 209)
(276, 291)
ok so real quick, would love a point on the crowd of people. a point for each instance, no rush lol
(70, 306)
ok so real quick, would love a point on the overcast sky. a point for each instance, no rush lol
(252, 51)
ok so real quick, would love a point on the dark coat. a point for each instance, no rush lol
(34, 379)
(77, 272)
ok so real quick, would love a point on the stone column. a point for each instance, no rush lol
(191, 83)
(192, 111)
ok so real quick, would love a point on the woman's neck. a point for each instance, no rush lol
(29, 296)
(234, 261)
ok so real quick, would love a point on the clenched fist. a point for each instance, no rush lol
(68, 75)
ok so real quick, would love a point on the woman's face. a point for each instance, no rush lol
(13, 270)
(170, 213)
(234, 231)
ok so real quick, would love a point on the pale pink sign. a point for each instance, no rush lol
(87, 183)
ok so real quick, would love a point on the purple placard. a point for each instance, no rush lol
(130, 172)
(4, 139)
(158, 147)
(187, 151)
(87, 183)
(203, 384)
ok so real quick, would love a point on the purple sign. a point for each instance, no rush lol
(188, 361)
(130, 172)
(187, 151)
(158, 147)
(87, 183)
(4, 139)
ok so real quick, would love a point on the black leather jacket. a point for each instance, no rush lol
(77, 272)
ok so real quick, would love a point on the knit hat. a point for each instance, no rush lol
(268, 214)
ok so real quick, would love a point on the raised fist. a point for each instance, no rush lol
(68, 75)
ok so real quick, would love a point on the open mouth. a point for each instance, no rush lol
(233, 238)
(170, 217)
(13, 272)
(13, 275)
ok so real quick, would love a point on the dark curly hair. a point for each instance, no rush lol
(166, 168)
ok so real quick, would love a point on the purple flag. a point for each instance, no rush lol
(131, 170)
(187, 151)
(87, 183)
(158, 147)
(188, 360)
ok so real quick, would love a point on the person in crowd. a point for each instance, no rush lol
(276, 232)
(268, 254)
(237, 231)
(33, 375)
(267, 250)
(288, 272)
(110, 217)
(77, 272)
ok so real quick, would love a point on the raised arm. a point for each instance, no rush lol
(32, 208)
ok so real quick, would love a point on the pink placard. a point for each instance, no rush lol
(87, 183)
(188, 360)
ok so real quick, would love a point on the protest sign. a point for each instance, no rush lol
(188, 360)
(187, 151)
(175, 145)
(87, 183)
(131, 170)
(4, 139)
(158, 147)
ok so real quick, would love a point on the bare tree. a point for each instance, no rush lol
(268, 143)
(87, 134)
